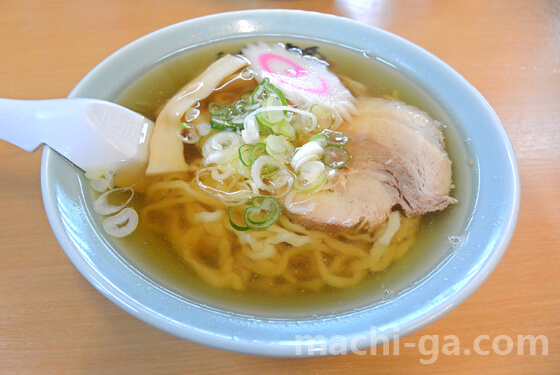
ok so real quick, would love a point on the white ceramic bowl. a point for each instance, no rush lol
(467, 246)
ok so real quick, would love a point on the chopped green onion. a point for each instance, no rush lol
(263, 121)
(266, 130)
(226, 116)
(240, 168)
(93, 174)
(101, 180)
(331, 137)
(312, 176)
(336, 156)
(335, 138)
(203, 140)
(232, 117)
(264, 90)
(220, 123)
(190, 136)
(258, 94)
(285, 129)
(121, 224)
(245, 154)
(264, 112)
(304, 122)
(279, 147)
(270, 88)
(311, 150)
(232, 220)
(250, 132)
(112, 201)
(221, 147)
(262, 213)
(99, 184)
(192, 114)
(272, 117)
(246, 96)
(321, 138)
(240, 106)
(109, 175)
(218, 109)
(269, 173)
(238, 120)
(258, 150)
(325, 117)
(203, 129)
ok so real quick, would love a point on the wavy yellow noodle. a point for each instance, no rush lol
(286, 258)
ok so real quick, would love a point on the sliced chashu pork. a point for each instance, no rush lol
(398, 160)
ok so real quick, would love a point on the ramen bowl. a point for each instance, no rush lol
(456, 252)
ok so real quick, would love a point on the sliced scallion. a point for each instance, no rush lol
(220, 123)
(311, 150)
(285, 129)
(99, 184)
(192, 115)
(336, 156)
(321, 138)
(258, 150)
(93, 174)
(325, 117)
(233, 219)
(221, 147)
(279, 147)
(271, 117)
(121, 224)
(267, 173)
(335, 138)
(240, 168)
(245, 154)
(311, 177)
(262, 213)
(112, 201)
(219, 109)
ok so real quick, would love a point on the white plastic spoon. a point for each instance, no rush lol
(90, 133)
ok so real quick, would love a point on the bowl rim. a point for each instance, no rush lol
(278, 337)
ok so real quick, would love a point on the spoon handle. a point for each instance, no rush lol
(25, 123)
(88, 132)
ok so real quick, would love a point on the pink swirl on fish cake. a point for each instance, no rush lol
(292, 76)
